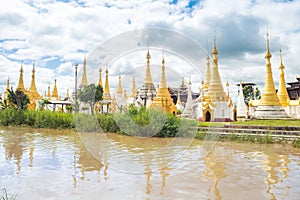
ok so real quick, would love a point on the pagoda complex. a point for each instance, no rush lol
(213, 104)
(269, 106)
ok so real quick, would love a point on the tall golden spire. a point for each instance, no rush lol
(54, 91)
(32, 87)
(67, 94)
(48, 94)
(106, 93)
(125, 94)
(269, 97)
(21, 81)
(148, 78)
(282, 94)
(163, 98)
(207, 77)
(32, 92)
(84, 81)
(163, 83)
(215, 88)
(7, 89)
(178, 97)
(100, 78)
(119, 88)
(133, 90)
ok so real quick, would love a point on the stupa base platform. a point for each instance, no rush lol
(270, 112)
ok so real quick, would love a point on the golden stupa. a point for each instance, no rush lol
(282, 94)
(163, 98)
(215, 87)
(269, 106)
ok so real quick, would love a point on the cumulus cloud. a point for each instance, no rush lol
(54, 33)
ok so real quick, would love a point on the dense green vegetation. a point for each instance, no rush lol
(135, 122)
(15, 99)
(138, 122)
(36, 119)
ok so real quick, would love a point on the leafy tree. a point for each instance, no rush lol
(90, 95)
(256, 94)
(17, 99)
(249, 93)
(3, 103)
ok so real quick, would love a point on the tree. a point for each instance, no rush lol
(17, 99)
(256, 94)
(249, 93)
(90, 95)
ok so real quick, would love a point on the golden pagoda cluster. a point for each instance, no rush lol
(32, 92)
(274, 105)
(147, 95)
(213, 104)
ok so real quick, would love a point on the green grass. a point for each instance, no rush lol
(255, 122)
(214, 124)
(278, 122)
(296, 143)
(241, 138)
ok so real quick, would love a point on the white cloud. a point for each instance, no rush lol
(44, 30)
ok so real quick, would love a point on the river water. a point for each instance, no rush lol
(57, 164)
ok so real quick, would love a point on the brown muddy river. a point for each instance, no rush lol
(49, 164)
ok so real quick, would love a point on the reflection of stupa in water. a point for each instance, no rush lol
(273, 164)
(215, 171)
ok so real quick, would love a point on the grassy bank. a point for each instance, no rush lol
(255, 122)
(267, 139)
(278, 122)
(137, 122)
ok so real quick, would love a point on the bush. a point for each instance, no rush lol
(36, 119)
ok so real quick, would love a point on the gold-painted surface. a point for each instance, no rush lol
(100, 78)
(21, 81)
(282, 94)
(178, 97)
(84, 81)
(55, 92)
(207, 77)
(125, 94)
(49, 94)
(32, 92)
(119, 88)
(67, 94)
(163, 98)
(215, 88)
(106, 93)
(148, 78)
(133, 88)
(6, 89)
(269, 96)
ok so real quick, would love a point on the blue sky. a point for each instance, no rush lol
(58, 34)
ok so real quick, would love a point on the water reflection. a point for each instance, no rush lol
(215, 171)
(55, 164)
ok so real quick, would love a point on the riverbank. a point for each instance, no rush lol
(172, 126)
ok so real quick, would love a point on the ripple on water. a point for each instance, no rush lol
(55, 165)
